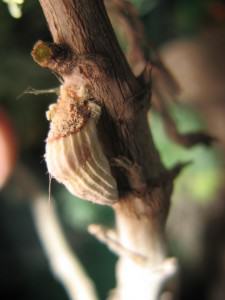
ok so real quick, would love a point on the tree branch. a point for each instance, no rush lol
(63, 262)
(109, 237)
(144, 196)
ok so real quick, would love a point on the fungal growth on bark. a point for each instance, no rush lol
(74, 153)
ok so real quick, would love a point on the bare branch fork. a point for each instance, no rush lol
(86, 52)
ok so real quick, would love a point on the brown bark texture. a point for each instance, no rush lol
(85, 48)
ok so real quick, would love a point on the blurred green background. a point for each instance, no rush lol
(24, 271)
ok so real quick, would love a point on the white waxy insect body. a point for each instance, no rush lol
(74, 154)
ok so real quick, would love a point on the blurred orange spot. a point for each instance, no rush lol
(8, 148)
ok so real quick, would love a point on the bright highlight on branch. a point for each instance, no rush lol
(15, 7)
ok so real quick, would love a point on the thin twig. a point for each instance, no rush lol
(140, 50)
(33, 91)
(109, 237)
(187, 140)
(63, 262)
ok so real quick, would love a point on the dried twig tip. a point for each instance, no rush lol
(42, 53)
(56, 57)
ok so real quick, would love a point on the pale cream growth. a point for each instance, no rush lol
(95, 110)
(83, 92)
(69, 114)
(51, 111)
(74, 154)
(78, 162)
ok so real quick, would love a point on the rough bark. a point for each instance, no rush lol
(144, 184)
